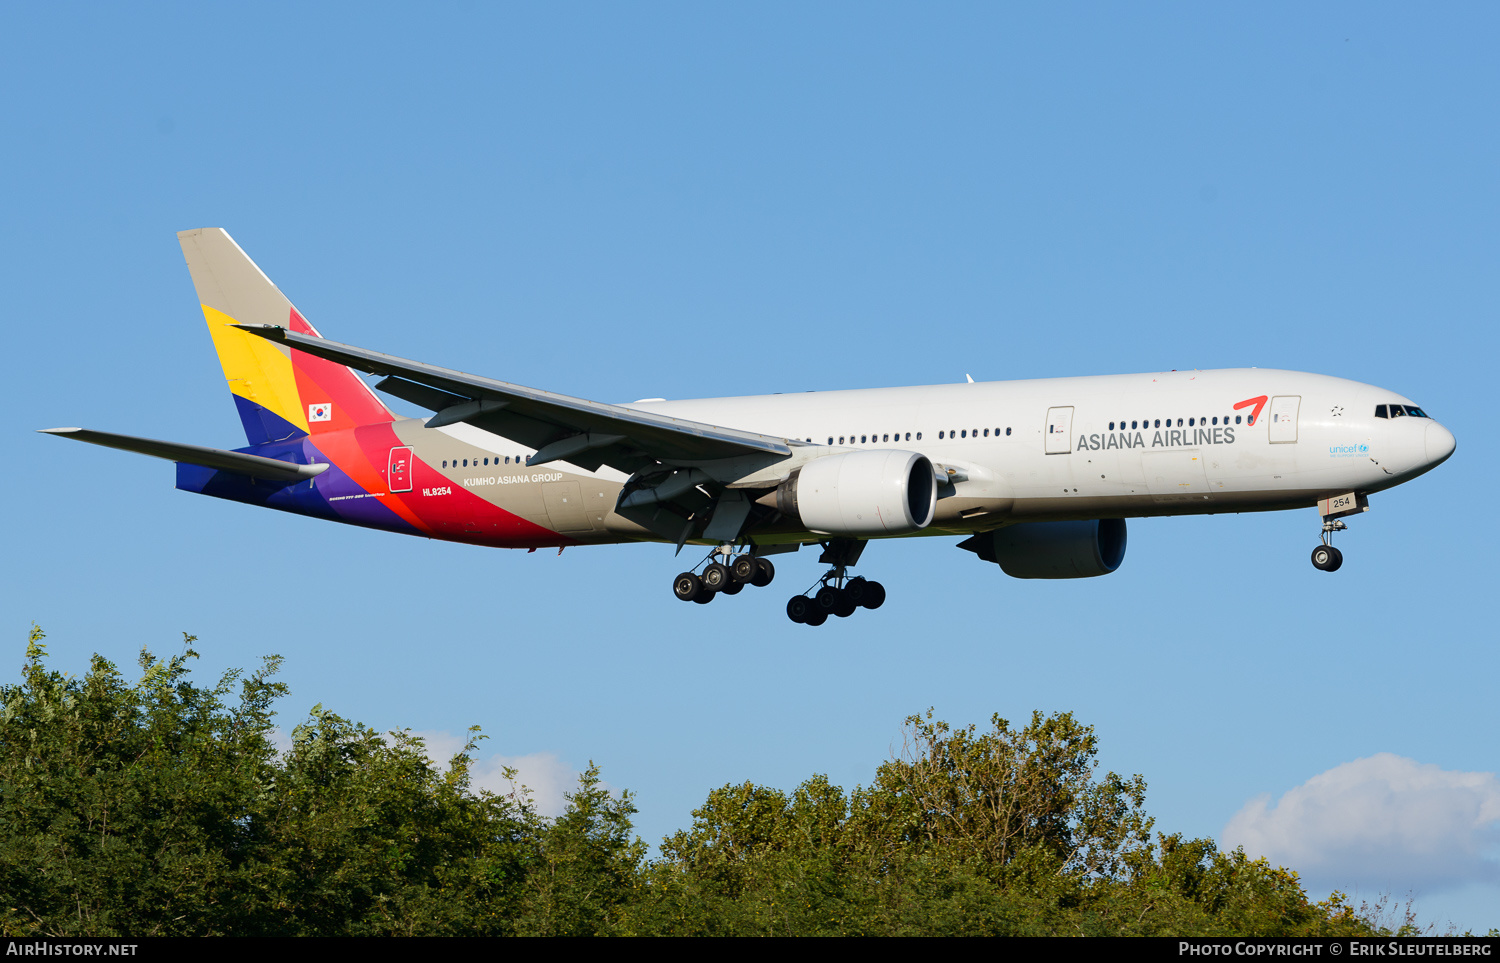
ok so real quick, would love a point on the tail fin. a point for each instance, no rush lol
(281, 393)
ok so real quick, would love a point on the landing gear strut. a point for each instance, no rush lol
(727, 577)
(837, 594)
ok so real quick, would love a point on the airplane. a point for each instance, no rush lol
(1035, 476)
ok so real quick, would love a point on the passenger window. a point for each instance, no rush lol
(919, 436)
(1007, 431)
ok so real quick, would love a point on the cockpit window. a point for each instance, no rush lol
(1380, 412)
(1414, 411)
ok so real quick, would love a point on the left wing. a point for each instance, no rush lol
(585, 433)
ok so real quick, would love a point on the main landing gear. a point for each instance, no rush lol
(728, 577)
(837, 594)
(725, 573)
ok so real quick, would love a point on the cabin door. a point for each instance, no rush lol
(398, 472)
(1059, 433)
(1284, 419)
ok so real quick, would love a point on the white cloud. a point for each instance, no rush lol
(1382, 823)
(281, 741)
(544, 774)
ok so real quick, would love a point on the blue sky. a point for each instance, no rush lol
(676, 200)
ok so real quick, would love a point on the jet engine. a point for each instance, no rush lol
(862, 494)
(1053, 549)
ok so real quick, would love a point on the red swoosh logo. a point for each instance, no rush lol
(1259, 402)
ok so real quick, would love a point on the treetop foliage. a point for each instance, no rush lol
(163, 808)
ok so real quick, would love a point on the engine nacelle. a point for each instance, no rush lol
(1054, 549)
(863, 494)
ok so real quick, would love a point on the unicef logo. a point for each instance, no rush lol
(1363, 449)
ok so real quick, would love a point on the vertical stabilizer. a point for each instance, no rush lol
(281, 393)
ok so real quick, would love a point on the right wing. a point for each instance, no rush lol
(585, 433)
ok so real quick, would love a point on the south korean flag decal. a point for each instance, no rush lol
(321, 412)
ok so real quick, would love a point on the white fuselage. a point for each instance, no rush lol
(1179, 442)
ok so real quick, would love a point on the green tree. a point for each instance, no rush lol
(127, 809)
(964, 833)
(985, 798)
(585, 868)
(360, 834)
(162, 808)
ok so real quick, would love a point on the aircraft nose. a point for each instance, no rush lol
(1439, 443)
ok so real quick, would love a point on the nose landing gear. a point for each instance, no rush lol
(1325, 557)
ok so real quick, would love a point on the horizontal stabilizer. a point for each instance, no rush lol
(236, 461)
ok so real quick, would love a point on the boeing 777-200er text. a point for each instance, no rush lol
(1037, 476)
